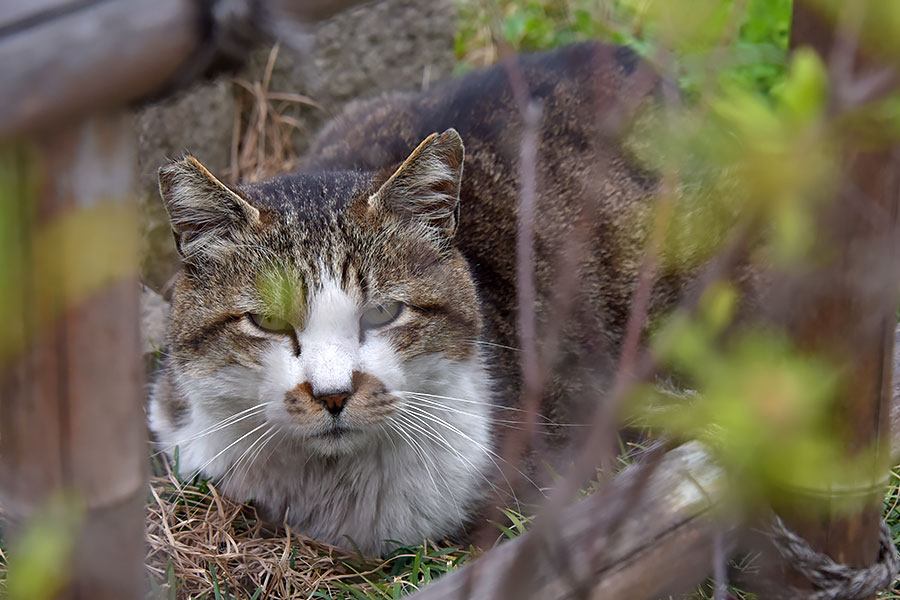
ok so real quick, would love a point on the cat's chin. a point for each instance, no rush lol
(338, 441)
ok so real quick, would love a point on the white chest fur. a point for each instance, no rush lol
(417, 475)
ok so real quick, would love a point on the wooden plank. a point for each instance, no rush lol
(99, 57)
(82, 57)
(72, 408)
(15, 16)
(665, 529)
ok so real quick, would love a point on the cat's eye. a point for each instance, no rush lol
(381, 315)
(270, 323)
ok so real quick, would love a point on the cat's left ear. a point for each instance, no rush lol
(207, 216)
(425, 188)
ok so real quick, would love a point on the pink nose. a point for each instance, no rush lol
(333, 402)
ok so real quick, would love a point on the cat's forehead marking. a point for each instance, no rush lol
(334, 264)
(310, 223)
(313, 198)
(331, 307)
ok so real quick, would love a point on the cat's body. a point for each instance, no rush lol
(365, 322)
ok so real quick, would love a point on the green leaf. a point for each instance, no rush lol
(803, 93)
(215, 582)
(414, 572)
(40, 560)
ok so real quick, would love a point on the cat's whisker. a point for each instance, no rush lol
(235, 468)
(274, 446)
(491, 454)
(433, 434)
(420, 452)
(491, 344)
(382, 427)
(309, 457)
(543, 418)
(417, 449)
(456, 399)
(247, 459)
(424, 456)
(199, 469)
(246, 454)
(508, 423)
(492, 420)
(218, 426)
(165, 353)
(271, 433)
(412, 420)
(228, 421)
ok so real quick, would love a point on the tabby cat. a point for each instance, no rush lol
(343, 339)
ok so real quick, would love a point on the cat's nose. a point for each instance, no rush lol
(333, 402)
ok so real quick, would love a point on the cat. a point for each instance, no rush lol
(342, 349)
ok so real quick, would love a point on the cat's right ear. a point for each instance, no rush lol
(425, 189)
(206, 215)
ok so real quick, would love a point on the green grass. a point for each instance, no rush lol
(410, 567)
(404, 571)
(892, 518)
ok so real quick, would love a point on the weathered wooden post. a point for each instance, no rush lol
(72, 428)
(845, 309)
(71, 425)
(71, 388)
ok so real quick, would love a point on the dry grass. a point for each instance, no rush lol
(202, 544)
(194, 532)
(264, 127)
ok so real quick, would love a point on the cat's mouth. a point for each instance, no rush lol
(337, 439)
(335, 432)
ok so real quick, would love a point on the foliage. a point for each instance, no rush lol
(742, 157)
(764, 406)
(750, 174)
(283, 294)
(41, 558)
(749, 39)
(748, 161)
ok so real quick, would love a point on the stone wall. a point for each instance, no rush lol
(378, 46)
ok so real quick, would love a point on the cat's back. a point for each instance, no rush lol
(588, 193)
(585, 96)
(573, 85)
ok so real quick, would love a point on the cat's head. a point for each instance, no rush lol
(324, 296)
